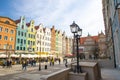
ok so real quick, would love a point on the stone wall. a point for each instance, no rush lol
(60, 75)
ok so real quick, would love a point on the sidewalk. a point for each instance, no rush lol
(33, 73)
(110, 74)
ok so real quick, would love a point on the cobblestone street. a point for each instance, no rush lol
(32, 73)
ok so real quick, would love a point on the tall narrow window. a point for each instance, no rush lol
(31, 29)
(22, 26)
(20, 48)
(10, 47)
(6, 30)
(23, 48)
(5, 38)
(0, 37)
(0, 29)
(11, 38)
(18, 40)
(21, 41)
(17, 47)
(19, 33)
(11, 31)
(25, 34)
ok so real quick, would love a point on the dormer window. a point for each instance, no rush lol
(7, 22)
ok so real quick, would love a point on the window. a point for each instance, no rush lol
(10, 47)
(11, 31)
(5, 38)
(20, 48)
(0, 29)
(11, 38)
(34, 36)
(21, 41)
(41, 30)
(17, 47)
(24, 48)
(37, 48)
(18, 40)
(0, 36)
(0, 46)
(31, 29)
(5, 46)
(33, 43)
(7, 22)
(25, 34)
(6, 30)
(22, 26)
(33, 49)
(29, 35)
(19, 33)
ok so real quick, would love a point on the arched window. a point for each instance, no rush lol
(7, 22)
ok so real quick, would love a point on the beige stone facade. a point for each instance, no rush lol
(92, 47)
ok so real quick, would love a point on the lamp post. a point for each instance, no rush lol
(75, 29)
(39, 57)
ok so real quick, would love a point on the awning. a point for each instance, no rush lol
(69, 55)
(14, 55)
(3, 55)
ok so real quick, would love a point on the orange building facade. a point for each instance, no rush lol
(7, 35)
(53, 45)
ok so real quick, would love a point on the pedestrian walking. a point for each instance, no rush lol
(53, 62)
(50, 61)
(24, 65)
(59, 60)
(66, 65)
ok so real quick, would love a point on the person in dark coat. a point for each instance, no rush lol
(66, 63)
(24, 65)
(59, 60)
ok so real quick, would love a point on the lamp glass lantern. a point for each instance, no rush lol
(74, 27)
(79, 33)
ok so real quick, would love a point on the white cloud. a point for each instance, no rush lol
(86, 13)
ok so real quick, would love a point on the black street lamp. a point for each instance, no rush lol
(75, 29)
(40, 56)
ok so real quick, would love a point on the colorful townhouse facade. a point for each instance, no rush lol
(60, 43)
(63, 44)
(31, 33)
(21, 36)
(7, 36)
(56, 43)
(47, 41)
(39, 40)
(53, 40)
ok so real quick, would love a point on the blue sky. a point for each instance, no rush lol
(60, 13)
